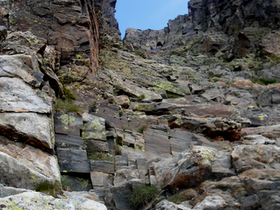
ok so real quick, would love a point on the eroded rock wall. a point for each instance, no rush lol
(72, 27)
(233, 29)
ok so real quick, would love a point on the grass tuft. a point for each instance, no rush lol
(140, 98)
(65, 105)
(142, 195)
(177, 198)
(142, 129)
(263, 81)
(50, 188)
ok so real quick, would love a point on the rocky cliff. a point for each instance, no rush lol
(90, 119)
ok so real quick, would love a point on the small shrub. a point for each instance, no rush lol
(50, 188)
(177, 198)
(258, 104)
(68, 94)
(181, 54)
(84, 182)
(273, 60)
(172, 95)
(217, 75)
(118, 149)
(142, 195)
(142, 129)
(65, 105)
(263, 81)
(238, 95)
(140, 98)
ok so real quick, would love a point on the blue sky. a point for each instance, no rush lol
(148, 14)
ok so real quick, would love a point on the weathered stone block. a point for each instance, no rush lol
(102, 166)
(74, 166)
(76, 126)
(97, 178)
(15, 174)
(97, 146)
(61, 122)
(67, 124)
(21, 97)
(122, 195)
(180, 140)
(7, 191)
(94, 127)
(68, 141)
(71, 154)
(17, 126)
(156, 141)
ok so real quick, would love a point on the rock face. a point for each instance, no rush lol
(35, 200)
(81, 109)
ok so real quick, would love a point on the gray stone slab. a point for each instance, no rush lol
(17, 96)
(102, 166)
(180, 140)
(141, 164)
(74, 166)
(120, 162)
(122, 195)
(96, 145)
(7, 191)
(32, 128)
(61, 122)
(156, 141)
(97, 178)
(76, 126)
(94, 127)
(71, 154)
(68, 141)
(67, 124)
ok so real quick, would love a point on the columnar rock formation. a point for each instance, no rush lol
(81, 109)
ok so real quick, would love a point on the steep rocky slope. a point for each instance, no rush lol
(198, 118)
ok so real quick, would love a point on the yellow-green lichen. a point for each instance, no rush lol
(95, 125)
(12, 21)
(33, 177)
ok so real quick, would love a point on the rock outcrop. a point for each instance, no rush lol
(197, 118)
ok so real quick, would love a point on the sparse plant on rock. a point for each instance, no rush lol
(263, 81)
(142, 195)
(177, 198)
(118, 149)
(142, 129)
(49, 188)
(66, 105)
(140, 98)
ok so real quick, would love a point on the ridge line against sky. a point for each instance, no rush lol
(148, 14)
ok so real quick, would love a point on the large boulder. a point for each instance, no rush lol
(17, 126)
(7, 191)
(247, 157)
(191, 168)
(264, 183)
(22, 98)
(36, 200)
(169, 205)
(16, 174)
(31, 157)
(212, 127)
(24, 67)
